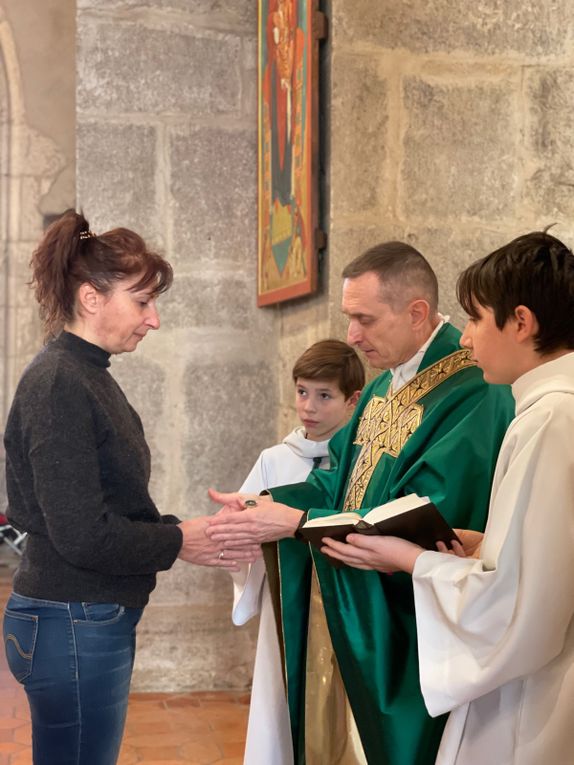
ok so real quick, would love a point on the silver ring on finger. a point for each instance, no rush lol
(221, 555)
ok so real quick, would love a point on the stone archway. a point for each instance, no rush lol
(5, 218)
(29, 163)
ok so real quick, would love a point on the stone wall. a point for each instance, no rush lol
(167, 145)
(37, 126)
(450, 126)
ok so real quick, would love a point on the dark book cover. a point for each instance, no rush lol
(423, 525)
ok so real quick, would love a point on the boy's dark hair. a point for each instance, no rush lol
(400, 268)
(332, 360)
(535, 270)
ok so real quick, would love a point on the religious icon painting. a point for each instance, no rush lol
(288, 232)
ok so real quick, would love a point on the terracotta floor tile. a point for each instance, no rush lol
(155, 752)
(152, 726)
(147, 697)
(173, 739)
(23, 735)
(178, 702)
(11, 722)
(206, 696)
(128, 756)
(233, 734)
(11, 747)
(233, 748)
(169, 762)
(23, 758)
(145, 715)
(229, 723)
(204, 751)
(21, 709)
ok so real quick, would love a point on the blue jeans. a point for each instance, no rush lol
(75, 662)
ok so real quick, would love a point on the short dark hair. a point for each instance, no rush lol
(70, 255)
(332, 360)
(535, 270)
(397, 264)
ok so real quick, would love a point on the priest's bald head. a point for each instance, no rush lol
(390, 296)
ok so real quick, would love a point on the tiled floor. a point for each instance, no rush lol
(161, 729)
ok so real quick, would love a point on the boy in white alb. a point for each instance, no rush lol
(328, 380)
(496, 629)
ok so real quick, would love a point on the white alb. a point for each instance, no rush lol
(496, 635)
(268, 730)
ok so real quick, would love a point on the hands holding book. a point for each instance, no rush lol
(386, 554)
(390, 554)
(388, 538)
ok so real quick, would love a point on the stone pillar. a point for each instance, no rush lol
(37, 124)
(167, 146)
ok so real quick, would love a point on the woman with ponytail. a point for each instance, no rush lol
(77, 470)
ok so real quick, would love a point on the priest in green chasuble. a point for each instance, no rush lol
(428, 424)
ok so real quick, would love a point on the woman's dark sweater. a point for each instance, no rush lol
(77, 472)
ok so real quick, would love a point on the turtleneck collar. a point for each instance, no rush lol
(89, 352)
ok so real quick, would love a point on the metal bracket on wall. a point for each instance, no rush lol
(320, 25)
(320, 239)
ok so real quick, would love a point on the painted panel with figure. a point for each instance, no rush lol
(288, 143)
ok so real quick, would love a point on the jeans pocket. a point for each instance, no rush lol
(101, 613)
(20, 632)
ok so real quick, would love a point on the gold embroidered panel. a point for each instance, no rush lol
(388, 423)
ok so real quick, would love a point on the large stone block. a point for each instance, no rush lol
(132, 68)
(193, 646)
(533, 28)
(449, 250)
(249, 78)
(359, 142)
(116, 169)
(550, 184)
(219, 301)
(213, 198)
(230, 418)
(460, 150)
(233, 12)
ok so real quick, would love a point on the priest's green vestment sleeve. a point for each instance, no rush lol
(439, 438)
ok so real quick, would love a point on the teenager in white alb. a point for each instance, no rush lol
(328, 380)
(496, 628)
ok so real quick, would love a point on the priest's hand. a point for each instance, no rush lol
(470, 547)
(380, 553)
(265, 521)
(234, 501)
(199, 549)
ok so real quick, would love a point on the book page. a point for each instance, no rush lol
(395, 507)
(333, 520)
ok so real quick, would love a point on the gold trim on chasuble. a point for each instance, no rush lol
(387, 423)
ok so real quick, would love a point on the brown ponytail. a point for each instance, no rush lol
(70, 255)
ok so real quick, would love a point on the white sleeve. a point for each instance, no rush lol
(482, 623)
(248, 581)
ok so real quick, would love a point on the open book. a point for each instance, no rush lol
(412, 517)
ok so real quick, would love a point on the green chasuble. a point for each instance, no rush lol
(437, 436)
